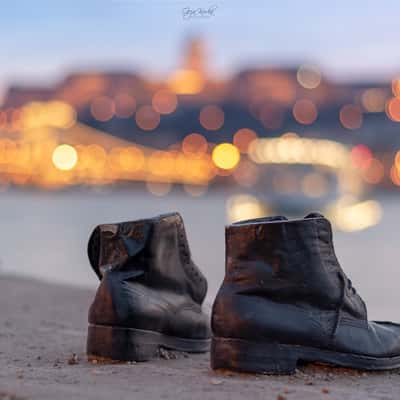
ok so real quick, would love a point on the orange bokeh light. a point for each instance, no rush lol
(194, 144)
(146, 118)
(242, 139)
(161, 163)
(129, 159)
(186, 81)
(102, 108)
(125, 105)
(375, 172)
(361, 156)
(212, 117)
(393, 109)
(164, 101)
(8, 151)
(350, 116)
(305, 112)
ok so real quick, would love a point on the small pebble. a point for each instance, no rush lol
(73, 359)
(167, 355)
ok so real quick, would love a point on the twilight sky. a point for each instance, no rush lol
(41, 40)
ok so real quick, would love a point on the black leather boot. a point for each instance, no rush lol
(150, 294)
(285, 300)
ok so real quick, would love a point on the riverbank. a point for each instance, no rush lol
(42, 356)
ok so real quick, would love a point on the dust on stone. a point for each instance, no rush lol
(10, 396)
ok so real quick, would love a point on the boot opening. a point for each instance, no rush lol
(94, 251)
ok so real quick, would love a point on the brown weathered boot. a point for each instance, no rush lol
(151, 293)
(285, 299)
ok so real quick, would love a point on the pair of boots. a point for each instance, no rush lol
(284, 298)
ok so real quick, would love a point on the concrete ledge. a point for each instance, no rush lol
(42, 356)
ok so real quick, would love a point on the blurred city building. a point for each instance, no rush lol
(191, 128)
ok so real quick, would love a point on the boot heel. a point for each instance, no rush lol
(120, 344)
(244, 356)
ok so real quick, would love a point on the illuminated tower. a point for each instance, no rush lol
(191, 77)
(194, 56)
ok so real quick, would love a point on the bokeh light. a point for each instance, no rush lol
(226, 156)
(361, 156)
(129, 159)
(358, 216)
(305, 112)
(40, 114)
(62, 115)
(350, 116)
(125, 105)
(375, 172)
(194, 144)
(211, 117)
(161, 163)
(186, 81)
(64, 157)
(102, 108)
(243, 206)
(147, 118)
(393, 109)
(373, 100)
(309, 76)
(8, 151)
(290, 149)
(164, 101)
(242, 139)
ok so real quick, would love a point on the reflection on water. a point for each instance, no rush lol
(346, 214)
(45, 234)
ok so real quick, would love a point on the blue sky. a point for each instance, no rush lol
(41, 40)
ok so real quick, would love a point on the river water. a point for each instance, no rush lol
(44, 235)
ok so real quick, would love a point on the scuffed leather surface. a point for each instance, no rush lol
(148, 279)
(283, 283)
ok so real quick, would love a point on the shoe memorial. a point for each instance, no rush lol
(151, 293)
(285, 299)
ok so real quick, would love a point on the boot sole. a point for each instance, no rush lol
(281, 359)
(126, 344)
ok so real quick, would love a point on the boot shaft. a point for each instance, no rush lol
(157, 246)
(289, 261)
